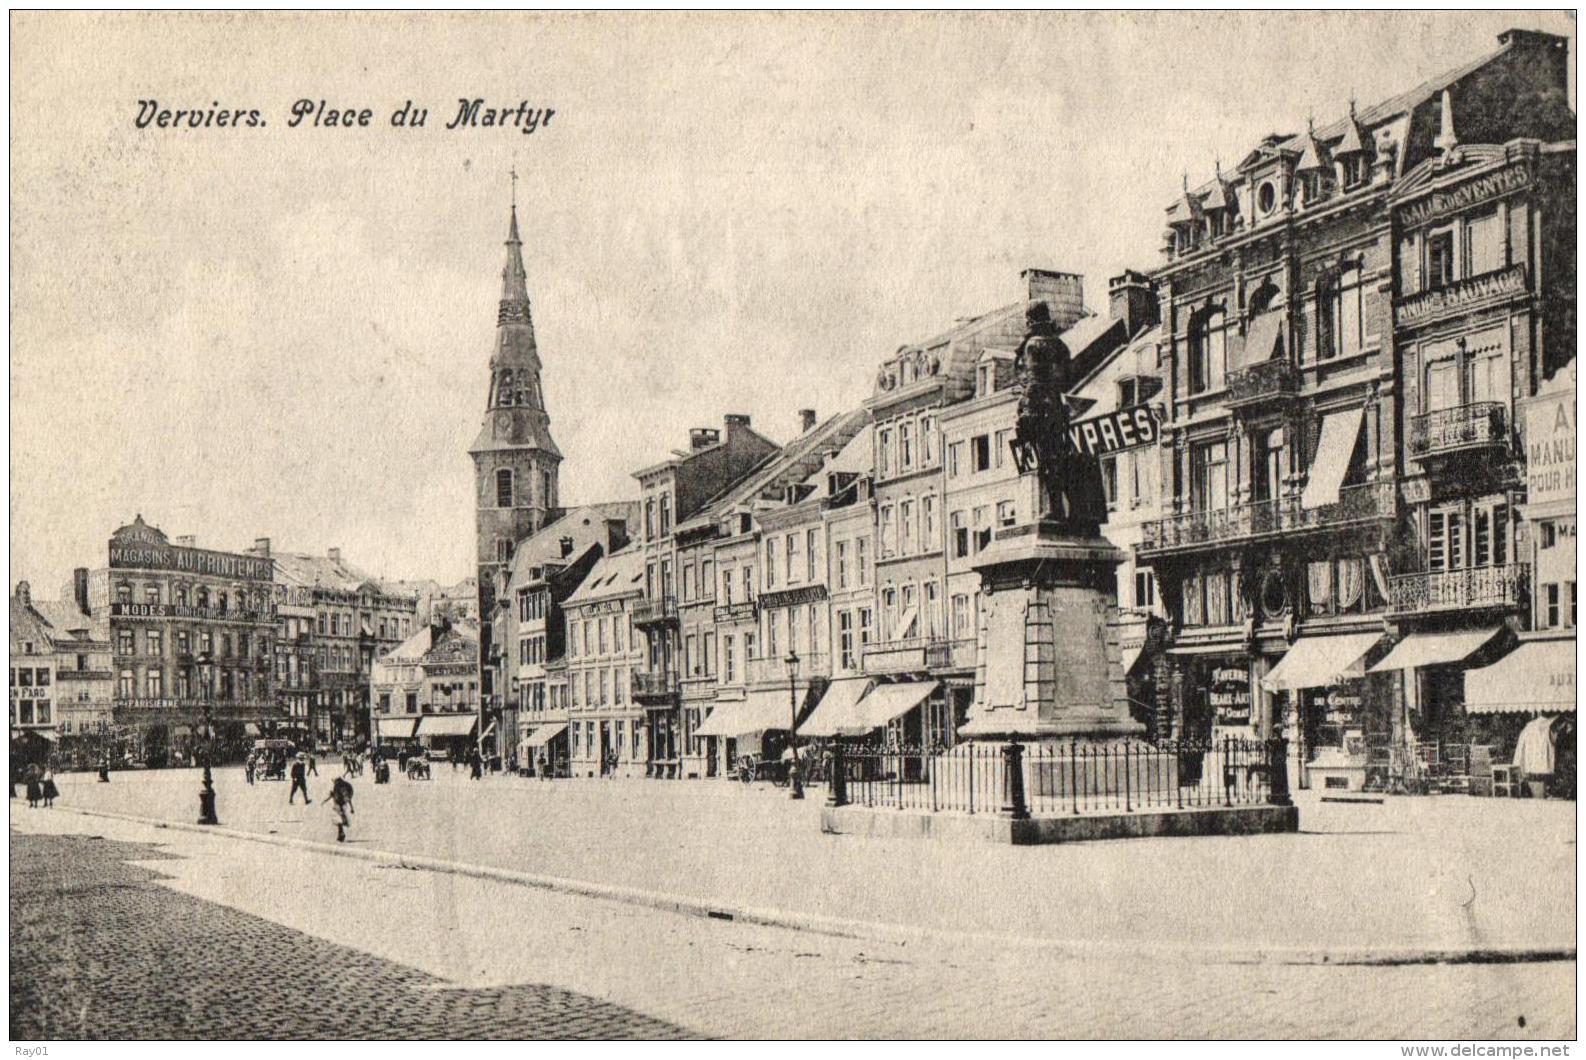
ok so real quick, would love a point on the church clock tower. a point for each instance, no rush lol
(515, 460)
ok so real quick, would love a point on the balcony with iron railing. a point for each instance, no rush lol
(1280, 515)
(950, 654)
(1479, 425)
(769, 670)
(1261, 383)
(654, 684)
(651, 612)
(1501, 586)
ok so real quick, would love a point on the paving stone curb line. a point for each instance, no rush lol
(879, 931)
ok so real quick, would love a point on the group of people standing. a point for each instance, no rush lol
(40, 781)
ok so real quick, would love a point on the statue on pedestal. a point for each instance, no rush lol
(1070, 482)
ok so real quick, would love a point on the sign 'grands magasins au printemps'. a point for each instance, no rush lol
(143, 547)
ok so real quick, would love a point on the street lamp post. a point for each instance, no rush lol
(206, 794)
(795, 784)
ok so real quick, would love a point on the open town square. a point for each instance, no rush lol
(738, 614)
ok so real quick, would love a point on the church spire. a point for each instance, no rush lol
(514, 279)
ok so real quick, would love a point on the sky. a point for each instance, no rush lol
(284, 332)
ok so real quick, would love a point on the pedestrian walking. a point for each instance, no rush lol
(313, 764)
(341, 805)
(299, 779)
(35, 789)
(104, 769)
(47, 787)
(402, 761)
(476, 765)
(250, 765)
(540, 766)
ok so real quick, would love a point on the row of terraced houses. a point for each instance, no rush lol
(1336, 430)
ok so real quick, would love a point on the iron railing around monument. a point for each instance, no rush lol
(1068, 777)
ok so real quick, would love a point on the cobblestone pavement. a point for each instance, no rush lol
(1445, 873)
(99, 950)
(419, 953)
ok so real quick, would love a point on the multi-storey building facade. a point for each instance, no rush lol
(1300, 515)
(34, 723)
(73, 704)
(738, 687)
(189, 628)
(425, 691)
(545, 570)
(334, 621)
(605, 726)
(673, 492)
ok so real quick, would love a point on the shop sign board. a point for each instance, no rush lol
(1550, 448)
(1111, 431)
(1230, 695)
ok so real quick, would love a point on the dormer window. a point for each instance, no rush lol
(1356, 169)
(1267, 197)
(1128, 392)
(985, 379)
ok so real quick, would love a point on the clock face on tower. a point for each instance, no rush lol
(503, 421)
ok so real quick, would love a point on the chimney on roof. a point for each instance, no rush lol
(186, 541)
(565, 543)
(80, 588)
(1132, 299)
(702, 438)
(806, 420)
(735, 419)
(24, 592)
(333, 554)
(261, 547)
(1063, 293)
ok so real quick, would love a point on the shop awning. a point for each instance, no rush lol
(447, 724)
(885, 702)
(761, 710)
(1339, 433)
(836, 710)
(394, 728)
(1261, 341)
(544, 734)
(1313, 662)
(1433, 649)
(1537, 677)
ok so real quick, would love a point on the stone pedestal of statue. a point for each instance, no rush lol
(1046, 668)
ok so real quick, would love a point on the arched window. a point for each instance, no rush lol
(1208, 353)
(504, 487)
(504, 393)
(1261, 298)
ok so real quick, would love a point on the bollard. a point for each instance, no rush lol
(837, 784)
(1013, 804)
(1278, 771)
